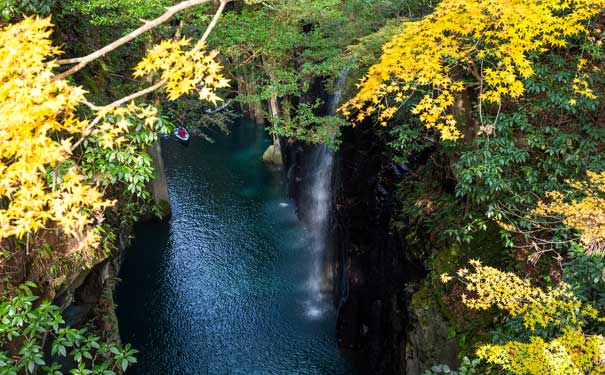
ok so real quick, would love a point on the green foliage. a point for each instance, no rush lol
(126, 163)
(13, 9)
(468, 367)
(274, 53)
(24, 325)
(284, 49)
(585, 274)
(409, 141)
(534, 149)
(116, 12)
(366, 50)
(305, 125)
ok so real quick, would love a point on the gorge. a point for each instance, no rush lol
(231, 283)
(433, 202)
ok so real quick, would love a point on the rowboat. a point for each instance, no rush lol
(182, 135)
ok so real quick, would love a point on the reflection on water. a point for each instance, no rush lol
(221, 289)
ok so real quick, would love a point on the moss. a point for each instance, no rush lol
(447, 260)
(486, 246)
(431, 219)
(425, 297)
(468, 328)
(104, 313)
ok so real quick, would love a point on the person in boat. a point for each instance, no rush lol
(181, 132)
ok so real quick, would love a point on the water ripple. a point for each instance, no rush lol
(221, 289)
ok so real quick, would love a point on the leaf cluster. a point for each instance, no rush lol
(24, 325)
(553, 338)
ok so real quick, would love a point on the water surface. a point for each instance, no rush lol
(223, 287)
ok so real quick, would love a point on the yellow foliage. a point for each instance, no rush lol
(506, 291)
(185, 71)
(40, 179)
(114, 122)
(445, 277)
(35, 110)
(586, 214)
(489, 38)
(572, 352)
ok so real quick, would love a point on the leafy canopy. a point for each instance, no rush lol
(35, 109)
(43, 180)
(492, 40)
(25, 325)
(553, 341)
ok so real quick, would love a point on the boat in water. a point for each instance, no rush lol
(182, 135)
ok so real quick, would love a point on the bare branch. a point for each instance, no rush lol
(214, 20)
(89, 130)
(132, 96)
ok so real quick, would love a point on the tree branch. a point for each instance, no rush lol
(171, 11)
(90, 129)
(128, 98)
(214, 21)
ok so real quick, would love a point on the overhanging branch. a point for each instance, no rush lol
(86, 59)
(171, 11)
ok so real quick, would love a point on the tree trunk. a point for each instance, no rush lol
(274, 118)
(463, 112)
(241, 90)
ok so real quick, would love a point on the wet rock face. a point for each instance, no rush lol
(427, 341)
(371, 317)
(78, 299)
(378, 316)
(377, 320)
(88, 301)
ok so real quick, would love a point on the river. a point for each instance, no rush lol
(222, 288)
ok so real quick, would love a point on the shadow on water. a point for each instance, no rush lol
(221, 288)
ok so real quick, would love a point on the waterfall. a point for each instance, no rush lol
(338, 87)
(321, 279)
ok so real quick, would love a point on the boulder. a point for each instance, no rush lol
(272, 155)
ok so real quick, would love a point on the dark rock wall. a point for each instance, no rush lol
(382, 315)
(88, 299)
(380, 320)
(372, 313)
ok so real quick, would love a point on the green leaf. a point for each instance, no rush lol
(124, 364)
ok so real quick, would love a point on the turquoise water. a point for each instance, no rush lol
(222, 288)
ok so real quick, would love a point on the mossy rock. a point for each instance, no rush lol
(272, 155)
(486, 246)
(429, 340)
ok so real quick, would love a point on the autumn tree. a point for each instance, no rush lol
(518, 86)
(553, 339)
(494, 41)
(54, 138)
(508, 98)
(62, 158)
